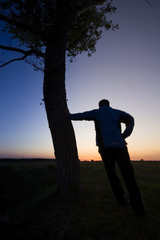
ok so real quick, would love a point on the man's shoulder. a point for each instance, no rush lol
(114, 110)
(118, 111)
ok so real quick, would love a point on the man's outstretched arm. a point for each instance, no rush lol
(82, 116)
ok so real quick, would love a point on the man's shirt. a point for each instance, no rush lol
(108, 125)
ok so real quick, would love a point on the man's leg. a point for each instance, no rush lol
(109, 164)
(125, 166)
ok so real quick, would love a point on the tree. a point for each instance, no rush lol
(47, 30)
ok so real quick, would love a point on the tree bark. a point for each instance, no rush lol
(58, 118)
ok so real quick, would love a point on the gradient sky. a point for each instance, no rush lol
(125, 69)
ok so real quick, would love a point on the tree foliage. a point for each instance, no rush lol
(87, 29)
(33, 23)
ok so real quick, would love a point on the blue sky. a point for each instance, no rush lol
(125, 69)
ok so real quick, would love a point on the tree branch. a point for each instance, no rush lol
(29, 52)
(87, 4)
(35, 66)
(24, 52)
(13, 60)
(22, 26)
(13, 49)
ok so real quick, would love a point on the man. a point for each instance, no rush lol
(112, 148)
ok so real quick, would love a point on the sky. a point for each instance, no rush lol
(125, 70)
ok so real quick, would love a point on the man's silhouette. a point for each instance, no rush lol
(112, 147)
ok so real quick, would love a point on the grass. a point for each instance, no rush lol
(30, 209)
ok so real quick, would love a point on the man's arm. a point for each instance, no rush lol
(129, 122)
(82, 116)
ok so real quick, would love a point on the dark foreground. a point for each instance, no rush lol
(30, 209)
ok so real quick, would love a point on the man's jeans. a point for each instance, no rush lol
(120, 155)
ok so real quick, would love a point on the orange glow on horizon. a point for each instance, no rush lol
(84, 155)
(133, 156)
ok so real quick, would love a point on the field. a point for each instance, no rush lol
(30, 209)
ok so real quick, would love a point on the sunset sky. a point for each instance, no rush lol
(125, 69)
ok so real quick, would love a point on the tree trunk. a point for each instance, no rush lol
(59, 123)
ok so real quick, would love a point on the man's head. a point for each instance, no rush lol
(104, 102)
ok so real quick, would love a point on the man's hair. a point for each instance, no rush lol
(104, 102)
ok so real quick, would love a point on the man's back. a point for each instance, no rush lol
(107, 122)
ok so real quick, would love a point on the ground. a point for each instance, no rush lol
(30, 207)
